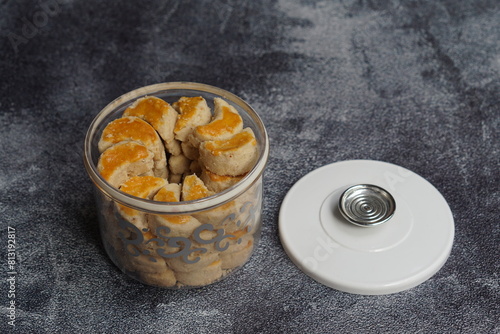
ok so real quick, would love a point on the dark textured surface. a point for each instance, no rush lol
(414, 83)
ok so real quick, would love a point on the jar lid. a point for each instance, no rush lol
(366, 227)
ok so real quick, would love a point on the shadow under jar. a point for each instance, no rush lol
(179, 244)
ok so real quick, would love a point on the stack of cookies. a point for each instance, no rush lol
(173, 153)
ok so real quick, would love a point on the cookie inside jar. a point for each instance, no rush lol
(172, 152)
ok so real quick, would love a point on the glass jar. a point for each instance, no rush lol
(200, 241)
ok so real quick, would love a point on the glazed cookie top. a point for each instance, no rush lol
(213, 149)
(128, 128)
(193, 188)
(124, 160)
(193, 111)
(233, 144)
(226, 123)
(156, 112)
(143, 187)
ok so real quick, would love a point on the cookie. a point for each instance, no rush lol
(233, 157)
(179, 164)
(239, 255)
(193, 188)
(221, 217)
(203, 276)
(154, 245)
(142, 187)
(135, 129)
(190, 151)
(175, 178)
(173, 147)
(195, 167)
(193, 111)
(162, 279)
(124, 160)
(178, 225)
(144, 263)
(156, 112)
(226, 123)
(218, 183)
(203, 259)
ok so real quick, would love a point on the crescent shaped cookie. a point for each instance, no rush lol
(179, 265)
(112, 232)
(142, 187)
(143, 264)
(173, 147)
(141, 261)
(135, 129)
(195, 167)
(209, 238)
(221, 217)
(162, 279)
(179, 225)
(175, 178)
(151, 244)
(189, 150)
(238, 253)
(193, 111)
(226, 123)
(218, 183)
(156, 112)
(193, 188)
(179, 164)
(204, 276)
(233, 157)
(124, 160)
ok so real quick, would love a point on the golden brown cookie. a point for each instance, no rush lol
(203, 276)
(178, 264)
(226, 123)
(193, 188)
(178, 225)
(143, 264)
(156, 112)
(239, 254)
(162, 279)
(195, 167)
(193, 111)
(190, 151)
(175, 178)
(218, 183)
(124, 160)
(221, 217)
(179, 164)
(135, 129)
(142, 187)
(173, 147)
(234, 156)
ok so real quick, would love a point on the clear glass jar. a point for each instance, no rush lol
(216, 234)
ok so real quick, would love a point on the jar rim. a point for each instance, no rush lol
(156, 207)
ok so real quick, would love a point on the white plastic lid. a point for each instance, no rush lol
(401, 253)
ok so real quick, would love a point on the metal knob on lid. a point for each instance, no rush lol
(367, 205)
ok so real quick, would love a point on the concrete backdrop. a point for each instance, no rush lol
(414, 83)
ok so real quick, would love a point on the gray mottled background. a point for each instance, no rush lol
(414, 83)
